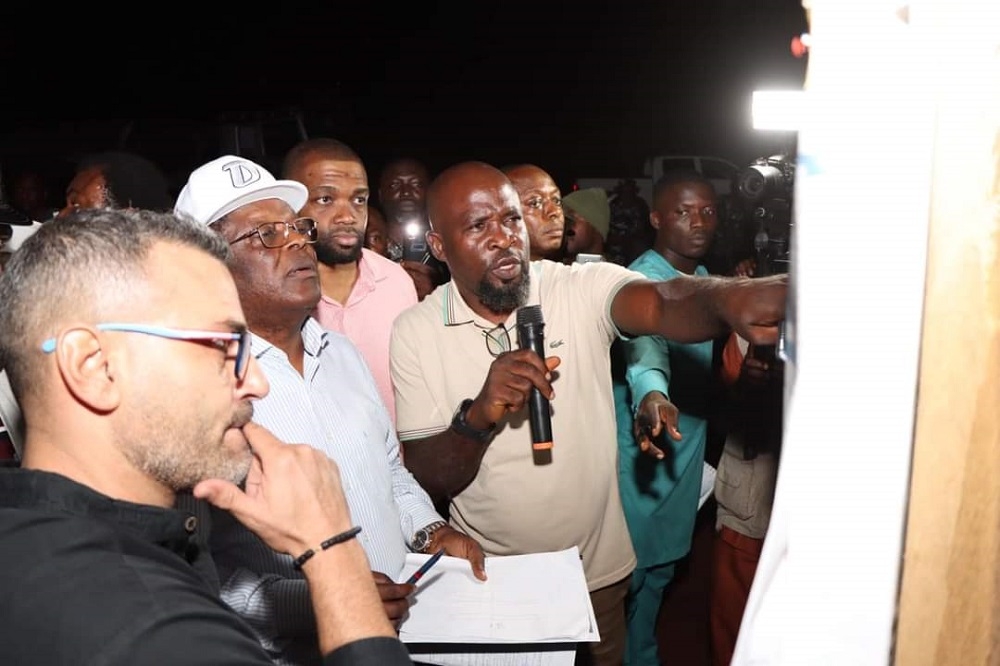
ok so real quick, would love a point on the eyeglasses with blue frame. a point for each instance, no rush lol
(187, 335)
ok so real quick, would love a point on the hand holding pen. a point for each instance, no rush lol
(425, 567)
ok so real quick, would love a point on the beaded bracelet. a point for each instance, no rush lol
(329, 543)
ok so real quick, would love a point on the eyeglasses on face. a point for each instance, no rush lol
(279, 234)
(221, 339)
(497, 340)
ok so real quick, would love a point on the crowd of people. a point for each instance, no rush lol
(231, 412)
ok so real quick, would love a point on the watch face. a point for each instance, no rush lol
(419, 541)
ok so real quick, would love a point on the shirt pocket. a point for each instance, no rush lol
(734, 487)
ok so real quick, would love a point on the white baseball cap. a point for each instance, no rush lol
(19, 234)
(218, 188)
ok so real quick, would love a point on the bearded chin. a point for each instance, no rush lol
(505, 298)
(329, 255)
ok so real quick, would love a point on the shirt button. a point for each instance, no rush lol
(190, 524)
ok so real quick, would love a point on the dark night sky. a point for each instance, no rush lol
(581, 89)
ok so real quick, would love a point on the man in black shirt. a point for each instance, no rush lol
(126, 346)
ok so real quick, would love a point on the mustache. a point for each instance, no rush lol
(508, 254)
(242, 416)
(332, 233)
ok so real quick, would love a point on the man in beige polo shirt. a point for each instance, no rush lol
(461, 382)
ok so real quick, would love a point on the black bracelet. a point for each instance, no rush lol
(329, 543)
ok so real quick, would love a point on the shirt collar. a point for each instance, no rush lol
(314, 338)
(371, 268)
(456, 312)
(659, 258)
(370, 272)
(54, 493)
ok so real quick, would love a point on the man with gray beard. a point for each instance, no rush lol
(134, 391)
(462, 384)
(362, 291)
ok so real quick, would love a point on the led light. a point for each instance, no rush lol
(778, 109)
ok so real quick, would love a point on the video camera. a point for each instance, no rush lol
(766, 188)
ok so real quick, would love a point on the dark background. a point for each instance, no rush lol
(581, 89)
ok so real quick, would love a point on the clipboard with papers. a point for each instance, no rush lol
(532, 611)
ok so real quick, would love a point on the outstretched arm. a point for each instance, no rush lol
(695, 309)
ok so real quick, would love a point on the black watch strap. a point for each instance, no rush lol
(462, 427)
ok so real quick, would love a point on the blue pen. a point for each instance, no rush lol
(424, 568)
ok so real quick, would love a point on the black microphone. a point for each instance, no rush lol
(530, 335)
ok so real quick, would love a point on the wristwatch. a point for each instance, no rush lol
(462, 427)
(422, 538)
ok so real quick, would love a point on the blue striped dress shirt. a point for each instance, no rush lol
(335, 407)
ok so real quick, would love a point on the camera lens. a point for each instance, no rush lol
(758, 181)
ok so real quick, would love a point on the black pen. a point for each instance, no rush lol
(424, 568)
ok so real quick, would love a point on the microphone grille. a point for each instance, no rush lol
(529, 314)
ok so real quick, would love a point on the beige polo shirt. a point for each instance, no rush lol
(439, 357)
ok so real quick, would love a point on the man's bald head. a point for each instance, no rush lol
(478, 230)
(520, 171)
(456, 184)
(541, 203)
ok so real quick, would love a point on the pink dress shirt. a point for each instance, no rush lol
(382, 291)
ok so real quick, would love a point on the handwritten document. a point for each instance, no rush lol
(532, 611)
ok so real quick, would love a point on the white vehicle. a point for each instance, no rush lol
(720, 171)
(611, 185)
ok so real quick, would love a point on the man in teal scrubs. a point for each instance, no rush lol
(660, 492)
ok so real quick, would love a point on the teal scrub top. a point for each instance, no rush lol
(660, 497)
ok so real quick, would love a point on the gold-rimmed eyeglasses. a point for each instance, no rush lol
(279, 234)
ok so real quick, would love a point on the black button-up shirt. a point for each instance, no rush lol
(85, 579)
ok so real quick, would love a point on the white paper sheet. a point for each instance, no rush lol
(537, 598)
(508, 655)
(707, 484)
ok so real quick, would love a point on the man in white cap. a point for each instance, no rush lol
(322, 394)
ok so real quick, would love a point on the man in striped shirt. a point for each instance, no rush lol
(323, 394)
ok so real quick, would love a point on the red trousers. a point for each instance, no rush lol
(734, 563)
(6, 447)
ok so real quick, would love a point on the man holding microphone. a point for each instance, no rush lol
(462, 385)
